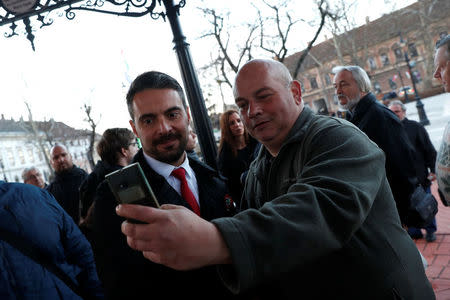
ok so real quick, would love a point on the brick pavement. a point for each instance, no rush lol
(437, 253)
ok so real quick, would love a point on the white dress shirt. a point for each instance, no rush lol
(165, 170)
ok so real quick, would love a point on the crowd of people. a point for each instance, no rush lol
(298, 199)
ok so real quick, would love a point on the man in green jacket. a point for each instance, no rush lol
(318, 218)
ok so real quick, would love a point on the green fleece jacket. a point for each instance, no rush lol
(319, 222)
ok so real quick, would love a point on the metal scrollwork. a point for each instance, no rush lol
(13, 30)
(42, 8)
(70, 15)
(44, 21)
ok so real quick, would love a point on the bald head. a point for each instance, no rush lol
(273, 67)
(269, 101)
(60, 158)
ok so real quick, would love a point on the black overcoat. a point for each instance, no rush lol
(383, 127)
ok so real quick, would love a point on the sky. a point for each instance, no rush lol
(90, 59)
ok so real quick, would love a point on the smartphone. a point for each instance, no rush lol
(130, 186)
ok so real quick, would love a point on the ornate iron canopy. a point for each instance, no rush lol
(13, 11)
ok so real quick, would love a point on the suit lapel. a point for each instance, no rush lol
(207, 190)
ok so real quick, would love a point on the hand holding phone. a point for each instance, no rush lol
(130, 186)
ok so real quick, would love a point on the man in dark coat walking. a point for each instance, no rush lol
(424, 161)
(352, 87)
(65, 187)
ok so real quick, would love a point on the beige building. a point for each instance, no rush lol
(379, 47)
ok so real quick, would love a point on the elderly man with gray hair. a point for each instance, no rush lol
(352, 86)
(33, 176)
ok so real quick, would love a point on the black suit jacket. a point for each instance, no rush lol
(66, 190)
(384, 128)
(125, 273)
(424, 152)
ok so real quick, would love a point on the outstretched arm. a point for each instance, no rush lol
(174, 236)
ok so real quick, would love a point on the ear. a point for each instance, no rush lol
(296, 91)
(123, 151)
(188, 114)
(133, 127)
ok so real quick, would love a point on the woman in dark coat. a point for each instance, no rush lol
(237, 149)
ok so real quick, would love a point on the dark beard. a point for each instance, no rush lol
(172, 155)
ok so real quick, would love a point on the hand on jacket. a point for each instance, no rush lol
(173, 236)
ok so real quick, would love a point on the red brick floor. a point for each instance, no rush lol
(437, 253)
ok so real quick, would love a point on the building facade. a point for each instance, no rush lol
(379, 47)
(21, 146)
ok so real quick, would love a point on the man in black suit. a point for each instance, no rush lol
(159, 117)
(424, 161)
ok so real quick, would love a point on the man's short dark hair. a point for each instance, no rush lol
(113, 140)
(444, 41)
(152, 80)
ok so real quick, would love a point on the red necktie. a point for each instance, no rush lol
(186, 192)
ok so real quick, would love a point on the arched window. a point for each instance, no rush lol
(372, 63)
(412, 50)
(313, 82)
(384, 59)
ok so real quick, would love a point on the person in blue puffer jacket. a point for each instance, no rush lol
(32, 215)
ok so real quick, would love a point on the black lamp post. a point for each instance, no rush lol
(419, 105)
(401, 80)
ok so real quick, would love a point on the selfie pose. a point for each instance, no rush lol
(317, 208)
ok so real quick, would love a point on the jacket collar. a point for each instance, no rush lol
(362, 106)
(196, 165)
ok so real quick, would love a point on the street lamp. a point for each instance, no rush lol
(419, 105)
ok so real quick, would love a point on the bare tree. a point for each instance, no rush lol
(228, 61)
(37, 136)
(90, 154)
(345, 39)
(275, 44)
(424, 11)
(325, 12)
(257, 36)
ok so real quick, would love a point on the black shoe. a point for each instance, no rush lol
(430, 237)
(417, 236)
